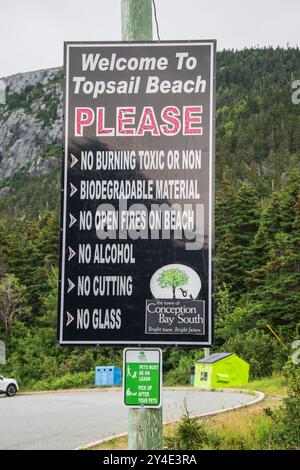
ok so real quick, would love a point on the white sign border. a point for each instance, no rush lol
(68, 45)
(160, 377)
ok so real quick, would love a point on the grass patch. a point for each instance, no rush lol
(119, 443)
(240, 429)
(275, 385)
(235, 430)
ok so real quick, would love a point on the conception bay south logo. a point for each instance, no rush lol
(175, 281)
(142, 356)
(176, 308)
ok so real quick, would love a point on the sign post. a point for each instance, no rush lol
(137, 198)
(142, 392)
(145, 426)
(142, 378)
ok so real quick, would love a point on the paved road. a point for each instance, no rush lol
(67, 420)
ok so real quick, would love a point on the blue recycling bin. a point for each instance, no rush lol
(106, 376)
(192, 375)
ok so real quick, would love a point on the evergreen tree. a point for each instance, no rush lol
(235, 242)
(279, 292)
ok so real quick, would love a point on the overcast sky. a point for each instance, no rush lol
(32, 31)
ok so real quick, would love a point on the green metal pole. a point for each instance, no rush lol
(144, 424)
(137, 20)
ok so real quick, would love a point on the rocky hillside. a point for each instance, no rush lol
(30, 123)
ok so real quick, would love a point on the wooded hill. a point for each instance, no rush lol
(257, 227)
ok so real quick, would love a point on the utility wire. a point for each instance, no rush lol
(156, 20)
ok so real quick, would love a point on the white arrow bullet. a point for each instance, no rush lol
(70, 318)
(71, 253)
(72, 220)
(71, 285)
(73, 189)
(74, 160)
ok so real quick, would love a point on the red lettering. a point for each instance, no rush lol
(190, 120)
(169, 116)
(148, 122)
(123, 120)
(101, 129)
(83, 117)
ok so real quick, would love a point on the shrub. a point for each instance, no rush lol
(180, 373)
(81, 379)
(257, 348)
(284, 430)
(190, 434)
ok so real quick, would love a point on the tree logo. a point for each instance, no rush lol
(175, 281)
(142, 356)
(172, 278)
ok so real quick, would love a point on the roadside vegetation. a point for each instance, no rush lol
(269, 425)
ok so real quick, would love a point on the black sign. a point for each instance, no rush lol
(137, 194)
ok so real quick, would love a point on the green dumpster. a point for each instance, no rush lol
(221, 370)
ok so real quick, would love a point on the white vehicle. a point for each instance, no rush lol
(8, 386)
